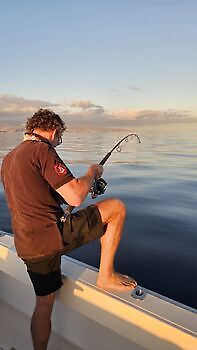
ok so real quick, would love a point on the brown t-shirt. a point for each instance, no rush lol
(30, 174)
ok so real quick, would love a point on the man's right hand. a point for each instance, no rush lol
(97, 169)
(75, 191)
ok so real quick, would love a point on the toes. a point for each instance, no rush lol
(128, 283)
(129, 280)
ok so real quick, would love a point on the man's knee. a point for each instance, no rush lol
(111, 208)
(119, 207)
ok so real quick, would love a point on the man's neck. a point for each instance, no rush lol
(36, 137)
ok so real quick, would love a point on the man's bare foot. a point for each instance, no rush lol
(116, 282)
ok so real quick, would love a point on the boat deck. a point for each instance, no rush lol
(15, 332)
(85, 317)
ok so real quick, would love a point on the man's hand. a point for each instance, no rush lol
(75, 191)
(97, 169)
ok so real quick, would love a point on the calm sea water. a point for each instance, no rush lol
(157, 180)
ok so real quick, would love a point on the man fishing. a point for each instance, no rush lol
(36, 183)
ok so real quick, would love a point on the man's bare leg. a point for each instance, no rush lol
(113, 214)
(41, 321)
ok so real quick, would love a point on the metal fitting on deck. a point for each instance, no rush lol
(138, 293)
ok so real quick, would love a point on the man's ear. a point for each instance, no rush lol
(53, 134)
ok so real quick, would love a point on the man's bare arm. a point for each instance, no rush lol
(75, 191)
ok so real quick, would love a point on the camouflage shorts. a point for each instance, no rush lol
(81, 227)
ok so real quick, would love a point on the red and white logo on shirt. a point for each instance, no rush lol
(60, 169)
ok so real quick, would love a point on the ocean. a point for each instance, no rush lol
(157, 180)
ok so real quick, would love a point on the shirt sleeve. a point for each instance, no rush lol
(53, 169)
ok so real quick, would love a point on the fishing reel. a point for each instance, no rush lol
(99, 186)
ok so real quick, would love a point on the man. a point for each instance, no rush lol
(36, 183)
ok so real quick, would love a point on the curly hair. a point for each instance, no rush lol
(45, 119)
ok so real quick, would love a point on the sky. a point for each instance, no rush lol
(99, 60)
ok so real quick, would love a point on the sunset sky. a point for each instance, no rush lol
(99, 60)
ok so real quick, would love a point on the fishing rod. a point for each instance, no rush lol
(99, 186)
(126, 138)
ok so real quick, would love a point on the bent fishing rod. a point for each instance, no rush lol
(99, 185)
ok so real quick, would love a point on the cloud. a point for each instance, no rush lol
(169, 115)
(12, 104)
(88, 113)
(134, 88)
(126, 91)
(85, 104)
(124, 114)
(86, 110)
(118, 93)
